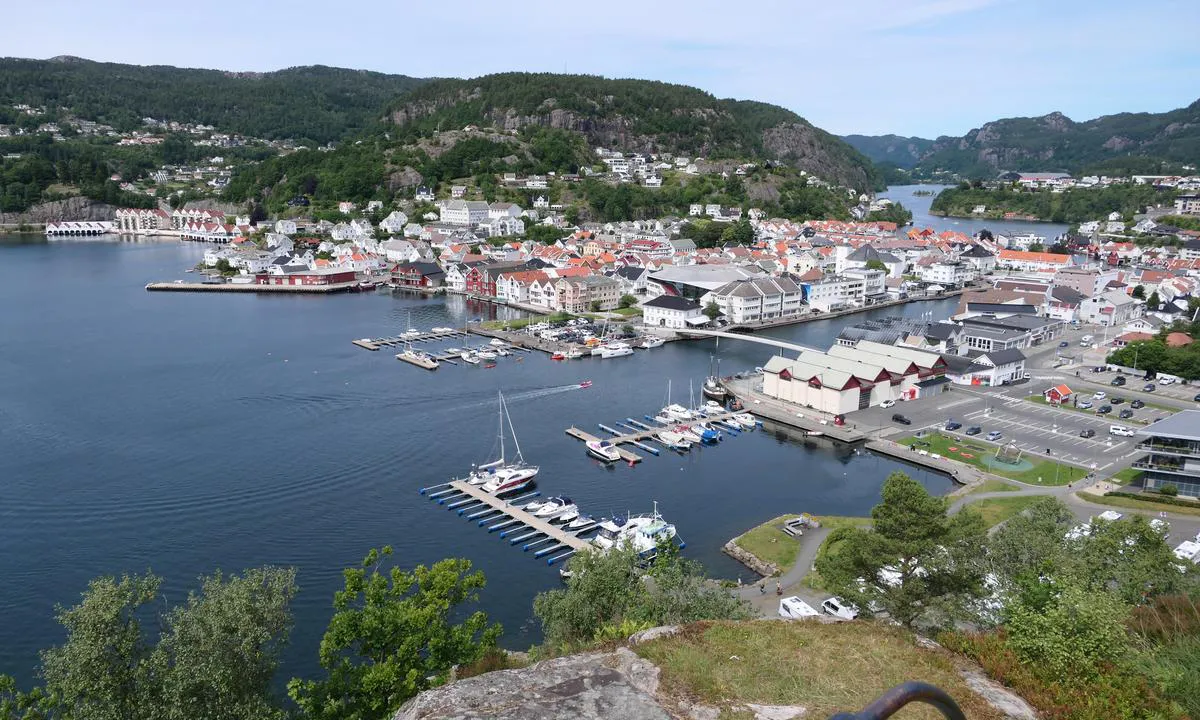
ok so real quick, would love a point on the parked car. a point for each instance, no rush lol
(974, 430)
(1064, 343)
(1166, 380)
(1125, 414)
(1197, 398)
(838, 607)
(1026, 376)
(1104, 410)
(1100, 395)
(1084, 404)
(887, 404)
(898, 418)
(1148, 387)
(995, 435)
(1116, 400)
(953, 425)
(1137, 404)
(1087, 433)
(1120, 430)
(1118, 381)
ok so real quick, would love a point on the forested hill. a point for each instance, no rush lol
(313, 103)
(634, 116)
(1126, 143)
(904, 152)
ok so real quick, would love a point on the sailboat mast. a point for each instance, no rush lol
(513, 430)
(500, 432)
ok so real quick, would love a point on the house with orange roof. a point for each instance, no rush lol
(1027, 261)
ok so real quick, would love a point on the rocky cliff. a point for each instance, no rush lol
(634, 116)
(76, 208)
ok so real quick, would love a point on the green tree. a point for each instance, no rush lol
(594, 306)
(712, 311)
(1153, 301)
(627, 301)
(1030, 543)
(917, 564)
(1139, 292)
(875, 264)
(392, 635)
(1069, 635)
(572, 215)
(739, 232)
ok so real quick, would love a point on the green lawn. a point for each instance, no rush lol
(1126, 476)
(993, 485)
(972, 452)
(628, 312)
(769, 543)
(997, 510)
(1133, 504)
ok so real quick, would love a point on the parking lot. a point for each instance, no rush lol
(1134, 386)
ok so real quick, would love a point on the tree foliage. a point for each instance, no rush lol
(392, 635)
(1070, 206)
(915, 563)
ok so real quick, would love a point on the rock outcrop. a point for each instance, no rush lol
(749, 559)
(79, 209)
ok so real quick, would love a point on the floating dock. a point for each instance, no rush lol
(377, 343)
(422, 361)
(638, 437)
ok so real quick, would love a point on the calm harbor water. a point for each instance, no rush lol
(919, 205)
(189, 432)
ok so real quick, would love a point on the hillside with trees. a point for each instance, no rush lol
(1121, 144)
(315, 103)
(634, 116)
(1070, 206)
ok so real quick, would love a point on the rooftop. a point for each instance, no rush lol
(1183, 425)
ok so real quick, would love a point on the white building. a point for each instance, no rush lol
(872, 281)
(757, 299)
(1113, 308)
(948, 273)
(834, 293)
(464, 212)
(285, 227)
(671, 311)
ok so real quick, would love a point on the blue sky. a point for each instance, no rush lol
(925, 67)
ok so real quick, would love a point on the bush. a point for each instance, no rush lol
(1151, 497)
(1169, 490)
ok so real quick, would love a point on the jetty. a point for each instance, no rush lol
(638, 437)
(377, 343)
(234, 287)
(421, 360)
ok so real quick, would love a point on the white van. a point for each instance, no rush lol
(793, 608)
(1120, 430)
(1165, 379)
(1085, 340)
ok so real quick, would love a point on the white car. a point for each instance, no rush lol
(1166, 380)
(1120, 430)
(793, 608)
(838, 607)
(1100, 395)
(887, 404)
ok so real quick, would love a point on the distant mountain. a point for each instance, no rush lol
(904, 152)
(1114, 144)
(636, 116)
(313, 103)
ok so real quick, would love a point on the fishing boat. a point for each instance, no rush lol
(652, 341)
(603, 450)
(585, 384)
(713, 389)
(502, 475)
(574, 354)
(615, 349)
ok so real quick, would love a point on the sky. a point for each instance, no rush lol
(922, 67)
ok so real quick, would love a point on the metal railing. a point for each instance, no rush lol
(893, 700)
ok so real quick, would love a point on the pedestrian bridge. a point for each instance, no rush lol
(748, 338)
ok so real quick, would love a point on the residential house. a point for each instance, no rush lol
(498, 210)
(1062, 303)
(583, 293)
(670, 311)
(1187, 205)
(418, 275)
(395, 222)
(832, 293)
(988, 369)
(1086, 281)
(458, 191)
(633, 279)
(1113, 308)
(980, 258)
(872, 280)
(285, 227)
(425, 194)
(1025, 261)
(948, 273)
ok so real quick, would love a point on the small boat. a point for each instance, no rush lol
(708, 433)
(713, 406)
(558, 356)
(814, 433)
(497, 342)
(567, 516)
(502, 352)
(555, 507)
(603, 450)
(469, 357)
(652, 341)
(534, 506)
(673, 440)
(687, 433)
(486, 355)
(443, 329)
(489, 365)
(580, 521)
(585, 384)
(746, 420)
(454, 351)
(574, 353)
(678, 412)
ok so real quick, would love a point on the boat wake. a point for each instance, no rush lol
(542, 392)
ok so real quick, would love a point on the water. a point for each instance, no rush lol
(189, 432)
(919, 205)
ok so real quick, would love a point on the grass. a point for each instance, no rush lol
(1126, 477)
(1133, 504)
(997, 510)
(1043, 472)
(993, 485)
(826, 668)
(770, 544)
(628, 312)
(831, 544)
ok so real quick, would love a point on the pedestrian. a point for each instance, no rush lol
(739, 580)
(778, 588)
(762, 587)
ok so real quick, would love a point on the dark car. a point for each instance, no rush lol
(953, 425)
(1087, 433)
(898, 418)
(974, 430)
(1064, 343)
(1148, 387)
(1125, 414)
(1137, 404)
(1116, 400)
(1197, 398)
(1104, 410)
(1117, 381)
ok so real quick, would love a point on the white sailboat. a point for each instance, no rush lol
(674, 411)
(501, 475)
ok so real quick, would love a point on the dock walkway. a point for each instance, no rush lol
(377, 343)
(551, 531)
(636, 438)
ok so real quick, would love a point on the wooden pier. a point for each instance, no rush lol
(552, 532)
(649, 433)
(377, 343)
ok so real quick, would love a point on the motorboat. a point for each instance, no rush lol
(585, 384)
(580, 522)
(454, 351)
(503, 352)
(568, 515)
(485, 355)
(746, 420)
(411, 332)
(497, 342)
(441, 329)
(673, 440)
(641, 532)
(686, 432)
(712, 407)
(708, 433)
(503, 475)
(554, 507)
(574, 354)
(469, 357)
(652, 341)
(534, 506)
(558, 356)
(677, 412)
(418, 358)
(615, 349)
(603, 450)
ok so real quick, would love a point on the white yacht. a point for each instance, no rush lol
(615, 349)
(469, 357)
(677, 412)
(641, 532)
(603, 450)
(485, 355)
(497, 342)
(502, 475)
(687, 434)
(652, 341)
(746, 420)
(673, 440)
(555, 507)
